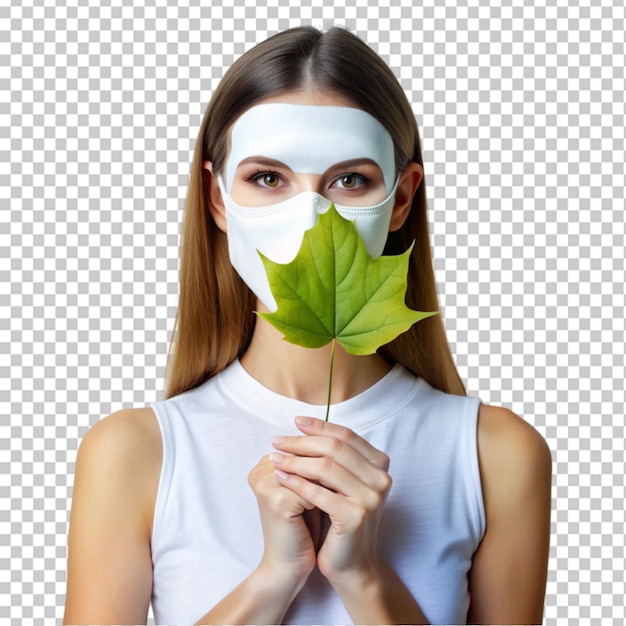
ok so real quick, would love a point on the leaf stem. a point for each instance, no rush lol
(330, 377)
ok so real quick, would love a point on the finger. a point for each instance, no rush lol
(331, 454)
(266, 486)
(348, 511)
(323, 470)
(314, 426)
(313, 520)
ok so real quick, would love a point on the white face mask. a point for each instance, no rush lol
(277, 231)
(310, 139)
(307, 139)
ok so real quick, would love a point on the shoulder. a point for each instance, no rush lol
(509, 569)
(129, 435)
(109, 572)
(505, 438)
(123, 452)
(514, 458)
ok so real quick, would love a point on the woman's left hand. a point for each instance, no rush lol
(345, 477)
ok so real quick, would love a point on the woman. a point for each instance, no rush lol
(414, 504)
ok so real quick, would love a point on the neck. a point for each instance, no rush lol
(303, 373)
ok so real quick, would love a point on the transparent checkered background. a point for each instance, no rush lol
(521, 111)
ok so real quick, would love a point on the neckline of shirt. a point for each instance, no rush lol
(371, 406)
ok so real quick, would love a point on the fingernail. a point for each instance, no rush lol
(277, 458)
(304, 421)
(278, 441)
(281, 475)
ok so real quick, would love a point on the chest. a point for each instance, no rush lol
(209, 536)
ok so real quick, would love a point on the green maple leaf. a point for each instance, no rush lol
(334, 290)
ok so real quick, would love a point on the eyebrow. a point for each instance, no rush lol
(261, 160)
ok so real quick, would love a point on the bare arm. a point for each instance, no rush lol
(109, 564)
(262, 598)
(109, 561)
(509, 569)
(388, 599)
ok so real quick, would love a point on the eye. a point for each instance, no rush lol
(266, 179)
(350, 181)
(271, 180)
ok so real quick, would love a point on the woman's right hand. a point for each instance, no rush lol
(288, 555)
(289, 548)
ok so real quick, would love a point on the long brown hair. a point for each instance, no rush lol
(215, 318)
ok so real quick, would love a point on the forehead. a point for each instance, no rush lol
(309, 138)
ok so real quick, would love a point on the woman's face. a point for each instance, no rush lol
(332, 148)
(291, 156)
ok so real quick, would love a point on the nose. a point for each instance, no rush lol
(314, 184)
(310, 182)
(320, 204)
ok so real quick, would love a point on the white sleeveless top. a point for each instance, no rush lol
(207, 535)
